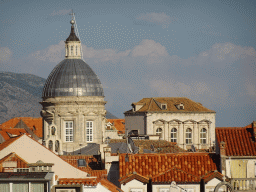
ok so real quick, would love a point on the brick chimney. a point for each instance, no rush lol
(223, 157)
(222, 148)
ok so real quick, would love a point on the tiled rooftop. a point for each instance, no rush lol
(12, 126)
(93, 167)
(239, 140)
(154, 105)
(118, 124)
(90, 182)
(182, 167)
(160, 146)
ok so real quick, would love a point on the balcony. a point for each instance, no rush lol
(244, 184)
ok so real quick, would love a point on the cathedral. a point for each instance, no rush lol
(73, 102)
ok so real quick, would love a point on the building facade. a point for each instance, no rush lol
(174, 119)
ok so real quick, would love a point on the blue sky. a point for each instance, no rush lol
(203, 50)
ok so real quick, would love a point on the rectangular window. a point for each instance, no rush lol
(89, 131)
(69, 131)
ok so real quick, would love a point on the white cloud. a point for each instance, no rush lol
(149, 48)
(156, 18)
(61, 12)
(5, 54)
(53, 53)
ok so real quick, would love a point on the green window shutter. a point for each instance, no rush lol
(4, 187)
(37, 187)
(20, 187)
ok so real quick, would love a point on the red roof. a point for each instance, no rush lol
(90, 182)
(181, 167)
(118, 124)
(239, 140)
(35, 124)
(90, 159)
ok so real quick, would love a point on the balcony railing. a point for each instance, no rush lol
(244, 184)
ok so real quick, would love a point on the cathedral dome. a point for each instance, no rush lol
(72, 77)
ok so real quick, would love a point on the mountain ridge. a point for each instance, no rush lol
(20, 94)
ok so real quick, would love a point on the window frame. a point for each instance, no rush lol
(174, 135)
(189, 136)
(203, 140)
(89, 131)
(159, 133)
(69, 137)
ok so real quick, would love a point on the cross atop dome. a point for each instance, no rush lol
(73, 44)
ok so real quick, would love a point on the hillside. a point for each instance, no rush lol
(20, 95)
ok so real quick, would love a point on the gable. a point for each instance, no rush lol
(32, 151)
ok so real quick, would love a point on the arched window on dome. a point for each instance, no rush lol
(76, 50)
(159, 132)
(174, 135)
(203, 133)
(72, 47)
(67, 50)
(188, 136)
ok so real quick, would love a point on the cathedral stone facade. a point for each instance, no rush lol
(73, 102)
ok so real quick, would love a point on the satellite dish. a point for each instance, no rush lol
(131, 145)
(193, 148)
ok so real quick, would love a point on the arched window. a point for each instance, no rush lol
(50, 145)
(72, 50)
(188, 136)
(67, 50)
(159, 132)
(203, 133)
(76, 50)
(57, 145)
(174, 135)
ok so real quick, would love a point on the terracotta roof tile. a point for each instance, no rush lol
(118, 124)
(85, 181)
(35, 124)
(110, 186)
(132, 176)
(154, 105)
(91, 161)
(239, 140)
(164, 146)
(163, 166)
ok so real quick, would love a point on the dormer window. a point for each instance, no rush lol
(180, 106)
(163, 106)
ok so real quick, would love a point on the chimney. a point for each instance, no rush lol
(222, 148)
(254, 129)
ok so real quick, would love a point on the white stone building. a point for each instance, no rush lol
(175, 119)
